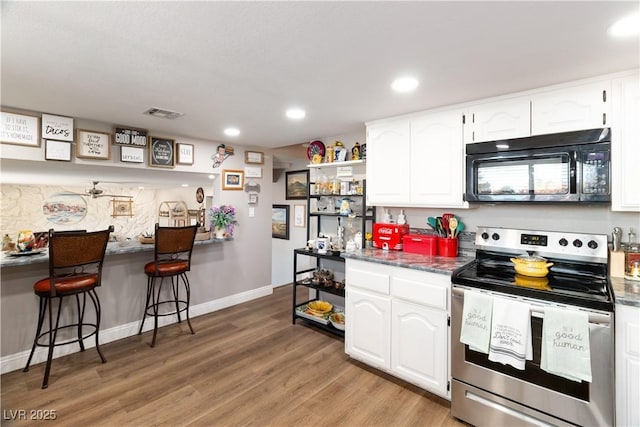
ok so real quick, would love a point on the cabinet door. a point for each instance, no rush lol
(627, 365)
(419, 346)
(498, 120)
(625, 146)
(437, 159)
(563, 110)
(388, 162)
(367, 327)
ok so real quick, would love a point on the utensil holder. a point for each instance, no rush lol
(448, 247)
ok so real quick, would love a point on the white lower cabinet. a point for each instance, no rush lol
(417, 352)
(397, 321)
(627, 365)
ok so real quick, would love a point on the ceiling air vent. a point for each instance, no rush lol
(163, 114)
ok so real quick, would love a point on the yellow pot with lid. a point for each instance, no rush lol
(531, 265)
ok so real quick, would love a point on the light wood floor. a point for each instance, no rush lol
(246, 365)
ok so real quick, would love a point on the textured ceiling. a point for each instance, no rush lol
(243, 64)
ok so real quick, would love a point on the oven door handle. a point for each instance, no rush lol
(537, 308)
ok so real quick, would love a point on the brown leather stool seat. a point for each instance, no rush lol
(172, 260)
(75, 269)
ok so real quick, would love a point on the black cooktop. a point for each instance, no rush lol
(572, 283)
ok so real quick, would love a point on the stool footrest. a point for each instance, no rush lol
(71, 340)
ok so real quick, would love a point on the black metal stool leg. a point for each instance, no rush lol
(156, 303)
(146, 303)
(53, 332)
(80, 319)
(96, 303)
(41, 315)
(175, 285)
(187, 286)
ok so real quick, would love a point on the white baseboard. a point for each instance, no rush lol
(16, 361)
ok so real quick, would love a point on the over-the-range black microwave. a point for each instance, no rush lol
(561, 167)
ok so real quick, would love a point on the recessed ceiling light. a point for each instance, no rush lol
(141, 188)
(404, 84)
(627, 26)
(232, 132)
(212, 176)
(185, 185)
(296, 113)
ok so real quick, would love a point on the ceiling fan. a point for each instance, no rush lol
(95, 192)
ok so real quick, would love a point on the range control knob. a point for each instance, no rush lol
(577, 243)
(563, 242)
(484, 235)
(592, 244)
(495, 236)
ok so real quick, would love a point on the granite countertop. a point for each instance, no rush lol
(113, 248)
(434, 264)
(627, 292)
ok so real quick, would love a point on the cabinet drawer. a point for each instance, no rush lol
(420, 292)
(368, 276)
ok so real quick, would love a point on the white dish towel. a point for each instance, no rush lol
(565, 344)
(476, 321)
(510, 333)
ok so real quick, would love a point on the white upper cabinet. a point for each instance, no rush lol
(498, 120)
(416, 161)
(573, 108)
(625, 144)
(565, 109)
(388, 155)
(437, 160)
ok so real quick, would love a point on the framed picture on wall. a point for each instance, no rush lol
(232, 179)
(299, 215)
(57, 127)
(297, 185)
(57, 150)
(280, 222)
(93, 145)
(185, 153)
(161, 152)
(19, 129)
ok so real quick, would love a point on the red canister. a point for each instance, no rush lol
(448, 247)
(424, 244)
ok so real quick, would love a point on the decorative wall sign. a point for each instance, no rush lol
(19, 129)
(298, 215)
(161, 152)
(57, 150)
(93, 145)
(131, 154)
(232, 179)
(280, 222)
(57, 127)
(297, 185)
(253, 172)
(255, 157)
(122, 207)
(185, 154)
(64, 209)
(130, 136)
(222, 152)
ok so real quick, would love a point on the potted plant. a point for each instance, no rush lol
(223, 220)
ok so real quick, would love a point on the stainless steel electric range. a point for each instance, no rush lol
(490, 393)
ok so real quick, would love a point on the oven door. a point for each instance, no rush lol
(486, 392)
(540, 175)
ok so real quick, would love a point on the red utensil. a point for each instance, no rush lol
(445, 221)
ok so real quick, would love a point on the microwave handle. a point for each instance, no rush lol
(573, 172)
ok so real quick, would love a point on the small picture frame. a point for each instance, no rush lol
(253, 172)
(254, 157)
(19, 129)
(185, 154)
(57, 127)
(297, 185)
(253, 198)
(232, 179)
(161, 152)
(93, 145)
(299, 215)
(280, 222)
(57, 150)
(131, 154)
(122, 207)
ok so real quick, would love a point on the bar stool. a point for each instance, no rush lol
(75, 269)
(172, 259)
